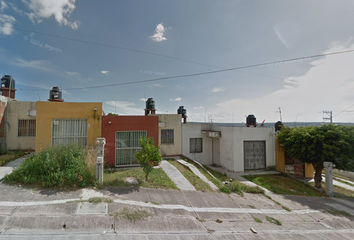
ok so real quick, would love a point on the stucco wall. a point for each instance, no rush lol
(232, 149)
(112, 124)
(171, 121)
(194, 130)
(17, 110)
(46, 111)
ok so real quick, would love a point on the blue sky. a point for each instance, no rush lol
(171, 38)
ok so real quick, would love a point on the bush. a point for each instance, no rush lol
(56, 166)
(148, 156)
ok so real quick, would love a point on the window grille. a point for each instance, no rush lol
(127, 144)
(167, 136)
(195, 145)
(26, 127)
(69, 131)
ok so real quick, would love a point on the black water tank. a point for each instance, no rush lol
(182, 111)
(251, 120)
(150, 103)
(55, 93)
(278, 125)
(8, 81)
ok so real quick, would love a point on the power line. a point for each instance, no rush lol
(209, 72)
(344, 110)
(135, 50)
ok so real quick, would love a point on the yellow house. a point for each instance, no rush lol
(67, 122)
(291, 166)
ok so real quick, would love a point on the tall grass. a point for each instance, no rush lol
(56, 166)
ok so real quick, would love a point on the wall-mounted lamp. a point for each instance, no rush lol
(95, 109)
(109, 122)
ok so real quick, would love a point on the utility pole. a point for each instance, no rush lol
(329, 114)
(281, 119)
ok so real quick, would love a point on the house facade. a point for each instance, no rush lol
(68, 122)
(20, 125)
(122, 134)
(237, 149)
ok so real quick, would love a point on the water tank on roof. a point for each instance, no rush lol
(150, 103)
(8, 82)
(278, 125)
(55, 93)
(182, 111)
(251, 120)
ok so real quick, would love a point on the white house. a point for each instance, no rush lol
(235, 148)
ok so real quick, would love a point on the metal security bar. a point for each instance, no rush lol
(254, 155)
(26, 128)
(167, 136)
(69, 131)
(127, 144)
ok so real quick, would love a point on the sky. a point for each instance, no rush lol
(123, 52)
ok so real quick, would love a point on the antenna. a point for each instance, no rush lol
(281, 119)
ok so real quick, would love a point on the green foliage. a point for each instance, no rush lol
(56, 166)
(112, 114)
(148, 156)
(315, 145)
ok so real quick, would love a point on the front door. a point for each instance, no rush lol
(254, 155)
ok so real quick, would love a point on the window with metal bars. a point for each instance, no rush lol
(69, 131)
(127, 144)
(167, 136)
(26, 128)
(196, 145)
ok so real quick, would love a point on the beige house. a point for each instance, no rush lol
(20, 125)
(170, 134)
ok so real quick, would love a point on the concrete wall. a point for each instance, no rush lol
(112, 124)
(15, 111)
(171, 121)
(46, 111)
(232, 148)
(194, 130)
(3, 103)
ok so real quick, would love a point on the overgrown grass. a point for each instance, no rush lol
(258, 220)
(234, 186)
(63, 166)
(157, 178)
(338, 212)
(131, 214)
(96, 200)
(280, 184)
(7, 157)
(273, 220)
(198, 183)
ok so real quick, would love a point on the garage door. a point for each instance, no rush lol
(254, 154)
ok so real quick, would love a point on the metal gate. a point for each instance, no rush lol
(255, 155)
(127, 144)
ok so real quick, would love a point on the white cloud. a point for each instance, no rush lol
(105, 72)
(3, 6)
(42, 65)
(327, 85)
(73, 74)
(176, 99)
(60, 9)
(124, 107)
(156, 85)
(142, 99)
(200, 107)
(217, 89)
(6, 24)
(159, 33)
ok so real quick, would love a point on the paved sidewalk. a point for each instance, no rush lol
(176, 176)
(8, 168)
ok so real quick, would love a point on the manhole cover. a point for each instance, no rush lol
(90, 208)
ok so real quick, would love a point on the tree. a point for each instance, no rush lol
(315, 145)
(148, 156)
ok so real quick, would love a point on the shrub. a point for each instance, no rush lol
(56, 166)
(148, 156)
